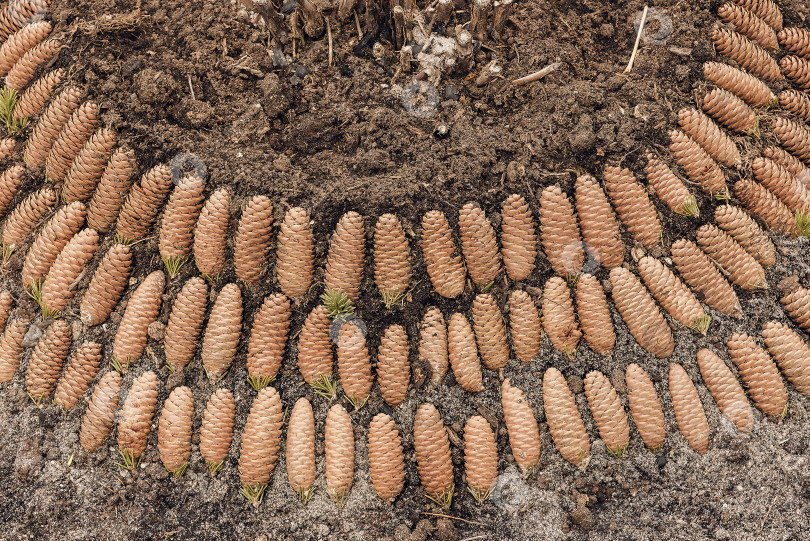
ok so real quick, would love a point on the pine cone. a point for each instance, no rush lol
(791, 354)
(559, 319)
(33, 99)
(688, 410)
(559, 233)
(669, 188)
(749, 25)
(46, 361)
(107, 286)
(600, 229)
(301, 447)
(796, 102)
(759, 374)
(142, 310)
(20, 12)
(253, 235)
(796, 40)
(490, 332)
(354, 364)
(747, 54)
(645, 407)
(216, 431)
(393, 368)
(525, 326)
(315, 346)
(794, 137)
(268, 338)
(743, 229)
(782, 184)
(50, 124)
(743, 270)
(11, 348)
(797, 305)
(347, 249)
(23, 71)
(743, 85)
(478, 244)
(339, 452)
(26, 215)
(433, 344)
(185, 323)
(521, 424)
(759, 201)
(100, 414)
(261, 439)
(518, 238)
(136, 417)
(10, 181)
(59, 285)
(594, 315)
(702, 276)
(81, 369)
(480, 456)
(633, 206)
(608, 413)
(640, 313)
(671, 293)
(730, 111)
(7, 146)
(87, 168)
(463, 353)
(796, 69)
(211, 232)
(392, 264)
(73, 136)
(564, 422)
(143, 204)
(50, 241)
(725, 390)
(20, 42)
(222, 332)
(294, 253)
(111, 191)
(432, 450)
(444, 266)
(179, 217)
(174, 430)
(6, 302)
(386, 460)
(709, 136)
(699, 167)
(767, 10)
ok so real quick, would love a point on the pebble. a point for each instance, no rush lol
(32, 336)
(157, 331)
(582, 517)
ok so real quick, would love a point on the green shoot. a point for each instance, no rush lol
(485, 288)
(8, 100)
(773, 102)
(34, 399)
(391, 298)
(755, 131)
(443, 499)
(210, 279)
(253, 493)
(118, 239)
(325, 386)
(174, 264)
(724, 196)
(689, 208)
(7, 251)
(70, 459)
(214, 467)
(803, 223)
(356, 402)
(260, 382)
(337, 303)
(305, 495)
(339, 496)
(701, 324)
(118, 366)
(618, 451)
(479, 496)
(128, 456)
(178, 473)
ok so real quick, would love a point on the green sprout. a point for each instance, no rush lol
(689, 208)
(8, 100)
(337, 303)
(443, 499)
(325, 386)
(260, 382)
(253, 493)
(174, 264)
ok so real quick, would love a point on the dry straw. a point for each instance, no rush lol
(490, 332)
(47, 360)
(699, 167)
(216, 430)
(564, 422)
(730, 111)
(392, 263)
(393, 368)
(790, 352)
(142, 310)
(50, 241)
(81, 370)
(747, 54)
(136, 418)
(760, 375)
(749, 25)
(315, 347)
(480, 457)
(33, 99)
(743, 229)
(50, 124)
(444, 265)
(109, 196)
(463, 353)
(10, 181)
(594, 315)
(59, 285)
(743, 85)
(295, 253)
(760, 202)
(25, 216)
(73, 136)
(23, 71)
(669, 188)
(600, 229)
(143, 204)
(211, 234)
(645, 407)
(174, 430)
(640, 313)
(479, 246)
(268, 338)
(709, 136)
(559, 319)
(725, 390)
(702, 276)
(433, 345)
(339, 453)
(432, 450)
(559, 233)
(521, 425)
(608, 413)
(261, 441)
(344, 263)
(11, 348)
(86, 170)
(253, 235)
(107, 285)
(179, 216)
(688, 410)
(796, 40)
(222, 332)
(742, 269)
(100, 414)
(672, 294)
(525, 326)
(386, 459)
(633, 205)
(300, 456)
(354, 364)
(518, 238)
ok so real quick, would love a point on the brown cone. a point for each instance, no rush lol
(669, 188)
(645, 407)
(393, 368)
(261, 439)
(521, 424)
(432, 450)
(490, 332)
(760, 202)
(7, 147)
(50, 241)
(525, 326)
(386, 460)
(143, 204)
(216, 431)
(111, 190)
(174, 430)
(339, 452)
(797, 69)
(640, 313)
(59, 285)
(222, 332)
(608, 412)
(10, 181)
(767, 10)
(6, 302)
(142, 310)
(100, 414)
(781, 183)
(671, 293)
(633, 206)
(444, 265)
(268, 338)
(81, 369)
(709, 136)
(743, 229)
(702, 276)
(136, 415)
(743, 270)
(211, 232)
(746, 87)
(47, 129)
(17, 15)
(797, 305)
(794, 137)
(73, 136)
(688, 410)
(315, 346)
(463, 353)
(252, 244)
(559, 319)
(518, 238)
(564, 422)
(20, 42)
(730, 111)
(185, 323)
(295, 253)
(11, 348)
(26, 215)
(594, 315)
(344, 264)
(749, 25)
(796, 102)
(796, 40)
(699, 167)
(726, 390)
(300, 456)
(759, 373)
(559, 233)
(26, 67)
(354, 364)
(46, 361)
(86, 170)
(392, 264)
(478, 244)
(433, 344)
(179, 217)
(107, 285)
(747, 54)
(791, 354)
(480, 456)
(33, 99)
(600, 229)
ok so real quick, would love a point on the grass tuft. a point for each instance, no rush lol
(128, 456)
(702, 323)
(690, 208)
(118, 366)
(356, 402)
(325, 386)
(803, 223)
(253, 493)
(479, 496)
(211, 279)
(391, 298)
(260, 382)
(214, 467)
(174, 264)
(7, 251)
(485, 288)
(755, 129)
(618, 451)
(178, 473)
(118, 239)
(443, 499)
(339, 496)
(305, 495)
(337, 303)
(774, 102)
(724, 196)
(8, 100)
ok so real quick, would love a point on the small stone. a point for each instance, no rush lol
(156, 331)
(32, 336)
(77, 327)
(174, 380)
(575, 384)
(286, 8)
(617, 379)
(446, 530)
(515, 171)
(402, 533)
(582, 517)
(607, 30)
(788, 285)
(450, 93)
(680, 51)
(282, 163)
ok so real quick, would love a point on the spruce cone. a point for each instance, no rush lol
(518, 238)
(17, 14)
(11, 348)
(20, 42)
(33, 98)
(490, 332)
(640, 313)
(393, 368)
(791, 354)
(444, 266)
(796, 40)
(480, 456)
(669, 188)
(743, 229)
(749, 25)
(797, 305)
(463, 353)
(7, 146)
(633, 206)
(73, 136)
(354, 364)
(796, 102)
(222, 332)
(432, 450)
(725, 390)
(760, 202)
(87, 168)
(688, 410)
(392, 264)
(559, 319)
(747, 54)
(216, 431)
(759, 374)
(525, 326)
(559, 233)
(261, 439)
(59, 285)
(645, 407)
(608, 412)
(300, 456)
(107, 286)
(23, 71)
(600, 229)
(767, 10)
(252, 245)
(211, 232)
(50, 124)
(143, 203)
(594, 315)
(111, 191)
(294, 253)
(174, 430)
(709, 136)
(743, 270)
(521, 424)
(339, 452)
(100, 414)
(185, 323)
(142, 310)
(26, 215)
(315, 346)
(46, 361)
(564, 422)
(81, 369)
(696, 163)
(179, 217)
(478, 244)
(702, 276)
(671, 293)
(268, 338)
(797, 69)
(730, 111)
(6, 301)
(347, 250)
(136, 416)
(746, 87)
(50, 241)
(782, 184)
(794, 137)
(10, 181)
(386, 460)
(433, 344)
